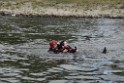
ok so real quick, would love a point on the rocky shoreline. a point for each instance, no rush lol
(96, 11)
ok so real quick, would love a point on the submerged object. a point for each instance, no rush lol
(104, 50)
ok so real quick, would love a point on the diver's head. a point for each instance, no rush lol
(63, 43)
(53, 44)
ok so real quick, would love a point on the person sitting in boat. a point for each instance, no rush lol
(64, 47)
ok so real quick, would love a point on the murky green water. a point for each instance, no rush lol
(24, 44)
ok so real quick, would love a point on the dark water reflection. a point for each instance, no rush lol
(24, 44)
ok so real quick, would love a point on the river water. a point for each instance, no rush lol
(24, 42)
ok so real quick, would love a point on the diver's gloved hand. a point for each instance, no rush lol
(75, 48)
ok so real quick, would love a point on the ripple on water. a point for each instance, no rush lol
(55, 70)
(111, 71)
(32, 79)
(58, 81)
(39, 74)
(77, 68)
(10, 75)
(10, 80)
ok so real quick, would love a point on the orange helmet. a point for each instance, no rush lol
(52, 43)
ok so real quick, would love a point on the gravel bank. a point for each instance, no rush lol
(64, 10)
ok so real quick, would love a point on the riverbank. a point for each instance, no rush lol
(31, 8)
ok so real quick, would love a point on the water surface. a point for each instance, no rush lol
(24, 44)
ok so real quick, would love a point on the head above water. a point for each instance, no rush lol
(63, 43)
(53, 44)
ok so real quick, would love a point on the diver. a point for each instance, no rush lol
(62, 47)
